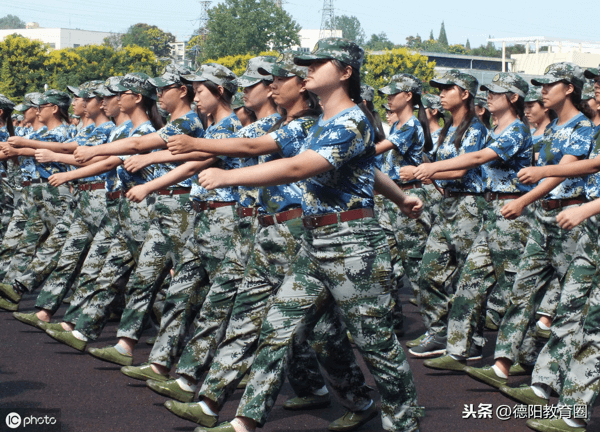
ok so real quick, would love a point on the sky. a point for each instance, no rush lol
(474, 20)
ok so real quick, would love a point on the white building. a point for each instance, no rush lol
(309, 38)
(178, 52)
(586, 54)
(59, 38)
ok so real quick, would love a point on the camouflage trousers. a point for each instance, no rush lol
(492, 262)
(347, 263)
(566, 337)
(202, 256)
(53, 205)
(7, 206)
(582, 382)
(108, 266)
(398, 273)
(60, 257)
(451, 238)
(547, 255)
(274, 249)
(211, 321)
(14, 230)
(171, 223)
(434, 198)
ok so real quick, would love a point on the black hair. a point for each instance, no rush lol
(354, 92)
(149, 105)
(378, 124)
(226, 97)
(464, 124)
(518, 106)
(586, 109)
(575, 97)
(422, 116)
(486, 117)
(248, 112)
(64, 114)
(7, 119)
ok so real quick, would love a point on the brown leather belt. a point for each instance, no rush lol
(268, 220)
(200, 206)
(91, 186)
(3, 175)
(38, 181)
(26, 183)
(494, 196)
(415, 185)
(453, 194)
(176, 191)
(246, 211)
(114, 195)
(560, 203)
(311, 222)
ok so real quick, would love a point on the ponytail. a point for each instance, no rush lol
(149, 105)
(463, 126)
(7, 119)
(422, 116)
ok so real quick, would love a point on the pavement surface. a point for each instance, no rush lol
(40, 373)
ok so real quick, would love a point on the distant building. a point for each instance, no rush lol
(58, 38)
(309, 38)
(178, 52)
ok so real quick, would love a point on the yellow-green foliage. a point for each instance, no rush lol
(378, 69)
(22, 66)
(238, 63)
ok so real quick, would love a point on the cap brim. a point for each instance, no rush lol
(245, 81)
(22, 107)
(591, 73)
(193, 78)
(542, 81)
(494, 88)
(159, 82)
(265, 71)
(441, 83)
(387, 90)
(306, 60)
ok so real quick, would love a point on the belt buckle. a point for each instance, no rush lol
(488, 196)
(447, 193)
(546, 205)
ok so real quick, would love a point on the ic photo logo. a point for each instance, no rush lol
(13, 420)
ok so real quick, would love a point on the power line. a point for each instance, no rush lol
(327, 21)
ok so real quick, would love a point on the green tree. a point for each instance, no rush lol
(248, 27)
(149, 36)
(443, 38)
(113, 41)
(11, 22)
(379, 42)
(468, 45)
(379, 68)
(21, 66)
(414, 42)
(350, 27)
(457, 49)
(431, 38)
(194, 49)
(237, 64)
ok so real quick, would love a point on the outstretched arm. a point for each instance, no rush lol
(91, 170)
(281, 171)
(570, 218)
(63, 147)
(579, 168)
(462, 162)
(409, 205)
(138, 162)
(45, 156)
(240, 147)
(125, 146)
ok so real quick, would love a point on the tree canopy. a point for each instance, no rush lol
(248, 27)
(350, 27)
(379, 42)
(11, 22)
(149, 36)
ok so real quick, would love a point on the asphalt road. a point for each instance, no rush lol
(38, 372)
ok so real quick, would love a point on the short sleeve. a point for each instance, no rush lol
(339, 144)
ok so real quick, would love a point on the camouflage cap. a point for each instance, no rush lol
(588, 91)
(14, 116)
(78, 91)
(367, 93)
(216, 74)
(340, 49)
(112, 84)
(103, 91)
(505, 82)
(251, 75)
(29, 101)
(386, 107)
(534, 94)
(171, 75)
(20, 117)
(456, 77)
(238, 101)
(90, 88)
(6, 103)
(55, 97)
(284, 66)
(402, 83)
(563, 71)
(432, 101)
(136, 82)
(592, 73)
(481, 99)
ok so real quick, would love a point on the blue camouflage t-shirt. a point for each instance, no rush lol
(513, 147)
(127, 180)
(592, 182)
(245, 196)
(98, 136)
(27, 163)
(3, 138)
(187, 124)
(572, 138)
(119, 132)
(226, 128)
(346, 142)
(58, 134)
(291, 139)
(434, 138)
(408, 140)
(473, 140)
